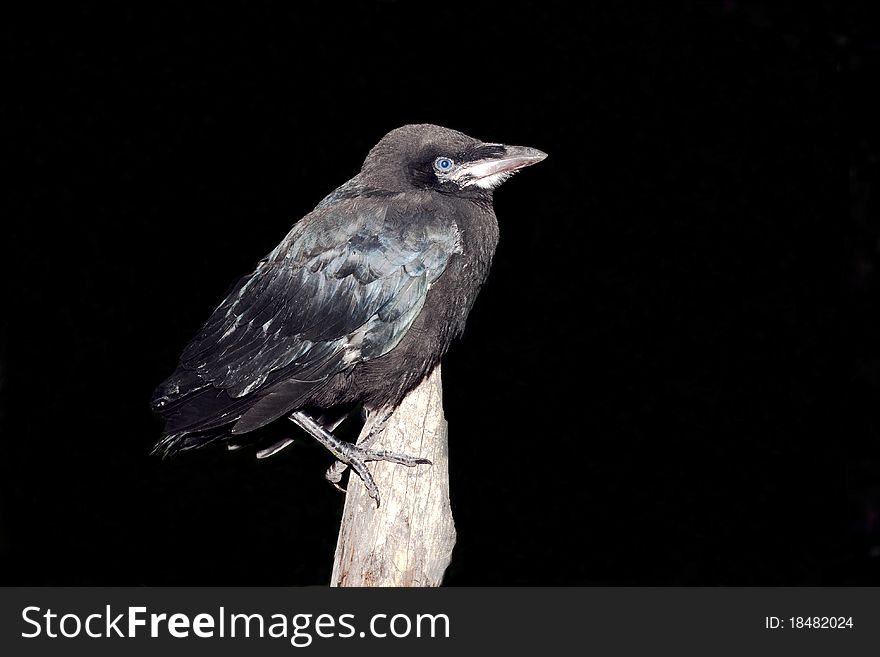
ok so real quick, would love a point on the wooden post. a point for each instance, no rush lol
(408, 540)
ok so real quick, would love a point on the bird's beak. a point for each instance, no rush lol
(490, 172)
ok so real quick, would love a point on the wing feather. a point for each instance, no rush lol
(343, 287)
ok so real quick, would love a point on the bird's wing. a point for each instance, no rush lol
(342, 288)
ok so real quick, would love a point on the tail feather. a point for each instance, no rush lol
(210, 415)
(197, 414)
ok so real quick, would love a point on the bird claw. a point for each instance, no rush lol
(334, 473)
(394, 457)
(358, 458)
(355, 456)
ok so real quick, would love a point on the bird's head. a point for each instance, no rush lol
(426, 156)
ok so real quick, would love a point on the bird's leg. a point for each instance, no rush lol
(334, 472)
(272, 450)
(353, 455)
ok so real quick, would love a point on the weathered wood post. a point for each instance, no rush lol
(408, 540)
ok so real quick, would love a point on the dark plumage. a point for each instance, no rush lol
(359, 301)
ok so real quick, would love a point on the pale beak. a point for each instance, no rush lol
(488, 173)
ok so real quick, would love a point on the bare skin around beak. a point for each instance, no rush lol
(488, 173)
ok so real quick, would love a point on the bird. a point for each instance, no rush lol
(355, 306)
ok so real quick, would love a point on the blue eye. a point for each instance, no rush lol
(443, 164)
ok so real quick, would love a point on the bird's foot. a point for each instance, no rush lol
(355, 456)
(334, 474)
(377, 426)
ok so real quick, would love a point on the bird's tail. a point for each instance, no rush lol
(198, 418)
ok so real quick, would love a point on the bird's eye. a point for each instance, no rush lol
(443, 164)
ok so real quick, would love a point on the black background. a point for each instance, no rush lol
(671, 378)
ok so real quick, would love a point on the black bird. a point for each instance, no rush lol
(356, 305)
